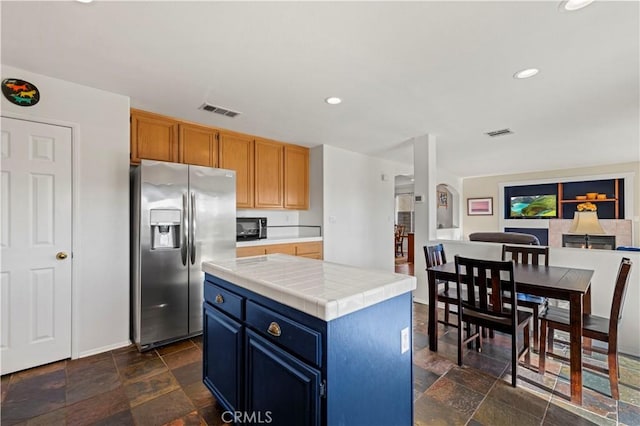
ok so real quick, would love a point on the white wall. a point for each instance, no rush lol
(358, 209)
(605, 263)
(100, 122)
(314, 215)
(490, 186)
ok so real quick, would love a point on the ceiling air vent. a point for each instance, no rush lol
(500, 132)
(219, 110)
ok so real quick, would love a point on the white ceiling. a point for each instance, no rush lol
(403, 70)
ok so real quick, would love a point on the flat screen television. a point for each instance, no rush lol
(534, 206)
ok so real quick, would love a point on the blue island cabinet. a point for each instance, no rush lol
(268, 363)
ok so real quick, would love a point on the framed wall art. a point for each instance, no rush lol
(480, 206)
(442, 199)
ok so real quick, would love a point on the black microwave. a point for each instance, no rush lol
(251, 228)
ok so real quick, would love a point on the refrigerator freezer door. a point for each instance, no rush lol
(212, 229)
(163, 303)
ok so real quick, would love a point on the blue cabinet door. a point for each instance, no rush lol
(222, 363)
(281, 389)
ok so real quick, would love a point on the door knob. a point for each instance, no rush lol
(61, 255)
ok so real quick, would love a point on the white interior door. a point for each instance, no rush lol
(35, 240)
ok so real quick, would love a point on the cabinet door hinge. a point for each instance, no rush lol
(323, 389)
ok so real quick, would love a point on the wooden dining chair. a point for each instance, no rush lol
(529, 255)
(489, 310)
(399, 239)
(593, 327)
(447, 294)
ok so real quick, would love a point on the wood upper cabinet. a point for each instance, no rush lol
(153, 137)
(236, 153)
(269, 174)
(198, 145)
(296, 177)
(269, 179)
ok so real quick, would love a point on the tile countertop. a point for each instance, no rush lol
(322, 289)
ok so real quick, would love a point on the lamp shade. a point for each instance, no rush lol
(586, 223)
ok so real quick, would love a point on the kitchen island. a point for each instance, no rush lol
(298, 341)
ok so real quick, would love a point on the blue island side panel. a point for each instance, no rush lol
(369, 380)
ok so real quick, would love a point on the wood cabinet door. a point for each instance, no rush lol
(296, 177)
(251, 251)
(269, 174)
(198, 145)
(282, 249)
(223, 357)
(280, 385)
(312, 250)
(236, 153)
(153, 137)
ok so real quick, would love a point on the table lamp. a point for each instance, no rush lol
(586, 223)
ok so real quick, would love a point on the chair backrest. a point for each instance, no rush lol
(528, 255)
(479, 275)
(399, 232)
(620, 292)
(434, 255)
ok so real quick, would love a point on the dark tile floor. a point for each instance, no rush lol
(164, 387)
(480, 392)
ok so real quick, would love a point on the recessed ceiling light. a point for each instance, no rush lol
(529, 72)
(333, 100)
(572, 5)
(84, 1)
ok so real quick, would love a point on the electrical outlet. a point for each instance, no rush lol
(404, 338)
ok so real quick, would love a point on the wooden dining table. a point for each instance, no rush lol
(556, 282)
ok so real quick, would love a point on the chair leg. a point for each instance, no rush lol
(460, 331)
(535, 327)
(614, 372)
(446, 313)
(527, 344)
(542, 352)
(514, 359)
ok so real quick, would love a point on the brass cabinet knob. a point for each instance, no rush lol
(61, 255)
(274, 329)
(219, 299)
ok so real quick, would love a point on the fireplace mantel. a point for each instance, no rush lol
(620, 228)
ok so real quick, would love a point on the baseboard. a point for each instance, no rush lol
(419, 300)
(102, 349)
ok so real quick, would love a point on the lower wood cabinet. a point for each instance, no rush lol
(312, 250)
(223, 369)
(276, 365)
(272, 373)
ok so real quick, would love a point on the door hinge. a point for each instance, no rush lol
(323, 389)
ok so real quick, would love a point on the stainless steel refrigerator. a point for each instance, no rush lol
(181, 216)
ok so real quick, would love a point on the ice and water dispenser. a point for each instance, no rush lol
(165, 228)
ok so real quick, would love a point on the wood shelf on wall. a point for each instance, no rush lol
(590, 201)
(616, 198)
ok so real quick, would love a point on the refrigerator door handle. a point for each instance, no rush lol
(192, 229)
(183, 246)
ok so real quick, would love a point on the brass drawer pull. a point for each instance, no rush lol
(274, 329)
(219, 299)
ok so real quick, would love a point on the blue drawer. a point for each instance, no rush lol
(224, 300)
(289, 334)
